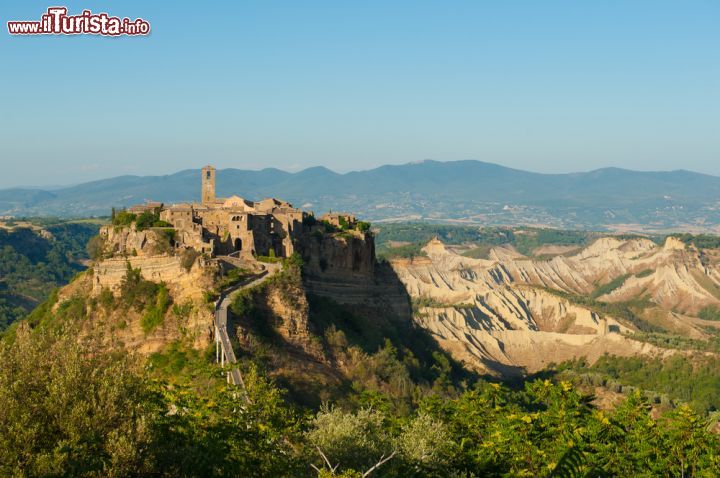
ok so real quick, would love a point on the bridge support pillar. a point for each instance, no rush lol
(217, 345)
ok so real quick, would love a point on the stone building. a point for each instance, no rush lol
(234, 225)
(340, 219)
(149, 206)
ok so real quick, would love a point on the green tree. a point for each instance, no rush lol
(426, 445)
(69, 410)
(123, 218)
(349, 441)
(363, 226)
(96, 247)
(687, 445)
(224, 435)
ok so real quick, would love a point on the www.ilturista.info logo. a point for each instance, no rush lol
(57, 22)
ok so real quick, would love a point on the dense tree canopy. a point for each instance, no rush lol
(32, 265)
(71, 410)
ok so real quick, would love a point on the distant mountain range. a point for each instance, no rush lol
(466, 191)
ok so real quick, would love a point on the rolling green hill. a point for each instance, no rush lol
(35, 261)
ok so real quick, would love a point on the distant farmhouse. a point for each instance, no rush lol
(223, 226)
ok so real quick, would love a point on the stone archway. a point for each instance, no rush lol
(238, 244)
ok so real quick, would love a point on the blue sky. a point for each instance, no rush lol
(549, 86)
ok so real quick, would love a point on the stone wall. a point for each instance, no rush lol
(110, 272)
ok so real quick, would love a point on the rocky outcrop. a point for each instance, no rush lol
(109, 274)
(189, 317)
(342, 254)
(128, 241)
(526, 308)
(501, 315)
(671, 275)
(118, 325)
(518, 352)
(675, 278)
(340, 266)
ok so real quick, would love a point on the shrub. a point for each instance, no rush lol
(146, 220)
(96, 247)
(165, 241)
(329, 228)
(188, 258)
(710, 312)
(409, 251)
(363, 226)
(107, 299)
(135, 291)
(183, 311)
(614, 284)
(150, 219)
(210, 296)
(144, 296)
(309, 220)
(233, 276)
(70, 411)
(72, 309)
(426, 442)
(155, 314)
(243, 303)
(295, 260)
(123, 218)
(268, 259)
(354, 441)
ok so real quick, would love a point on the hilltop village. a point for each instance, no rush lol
(232, 226)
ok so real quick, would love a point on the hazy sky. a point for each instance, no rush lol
(550, 86)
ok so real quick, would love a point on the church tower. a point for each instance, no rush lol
(208, 185)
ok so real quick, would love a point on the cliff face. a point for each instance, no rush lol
(312, 346)
(128, 241)
(500, 315)
(283, 308)
(349, 254)
(115, 321)
(345, 260)
(671, 275)
(109, 273)
(339, 266)
(343, 267)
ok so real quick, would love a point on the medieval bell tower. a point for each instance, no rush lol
(208, 185)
